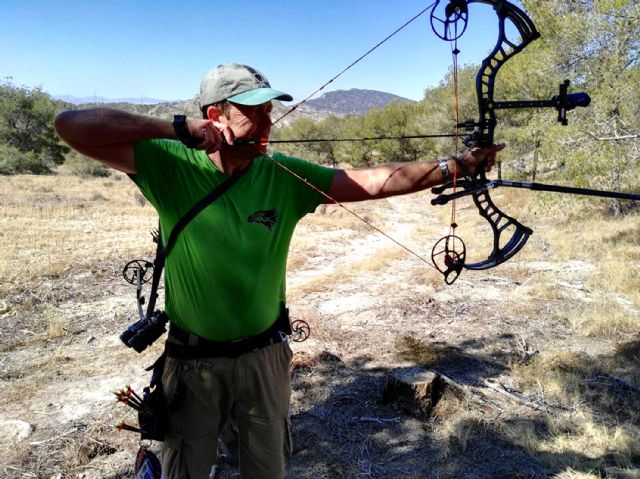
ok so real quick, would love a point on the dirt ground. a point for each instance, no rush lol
(373, 309)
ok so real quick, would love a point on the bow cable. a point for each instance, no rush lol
(365, 138)
(456, 122)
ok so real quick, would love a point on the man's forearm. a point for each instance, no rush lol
(399, 178)
(387, 180)
(103, 126)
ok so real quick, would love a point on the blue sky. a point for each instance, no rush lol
(162, 49)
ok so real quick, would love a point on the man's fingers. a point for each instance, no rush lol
(210, 139)
(225, 133)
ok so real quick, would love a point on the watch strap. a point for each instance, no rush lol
(182, 132)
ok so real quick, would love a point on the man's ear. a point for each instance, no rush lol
(215, 114)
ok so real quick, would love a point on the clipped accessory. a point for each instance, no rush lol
(143, 333)
(147, 464)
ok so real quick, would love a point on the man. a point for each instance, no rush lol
(227, 360)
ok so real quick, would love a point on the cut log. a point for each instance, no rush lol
(414, 391)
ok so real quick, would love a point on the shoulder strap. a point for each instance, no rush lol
(198, 207)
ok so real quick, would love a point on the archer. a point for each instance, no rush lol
(227, 347)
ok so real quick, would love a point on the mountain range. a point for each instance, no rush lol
(77, 100)
(340, 102)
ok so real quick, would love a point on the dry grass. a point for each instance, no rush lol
(54, 226)
(580, 436)
(613, 245)
(572, 292)
(556, 374)
(590, 429)
(377, 263)
(605, 318)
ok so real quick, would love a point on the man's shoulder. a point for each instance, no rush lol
(294, 161)
(159, 144)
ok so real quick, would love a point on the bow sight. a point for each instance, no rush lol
(563, 102)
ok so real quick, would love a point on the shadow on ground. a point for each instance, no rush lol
(342, 429)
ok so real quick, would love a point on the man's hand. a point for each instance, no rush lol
(212, 133)
(471, 160)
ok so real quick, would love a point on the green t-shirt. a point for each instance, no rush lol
(225, 277)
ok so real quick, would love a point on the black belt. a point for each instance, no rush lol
(192, 346)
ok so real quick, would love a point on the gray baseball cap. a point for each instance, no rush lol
(238, 84)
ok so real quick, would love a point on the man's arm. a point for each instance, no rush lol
(108, 135)
(401, 178)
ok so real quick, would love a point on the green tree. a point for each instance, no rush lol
(308, 129)
(396, 119)
(436, 112)
(27, 138)
(600, 45)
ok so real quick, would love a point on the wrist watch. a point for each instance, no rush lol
(444, 168)
(182, 131)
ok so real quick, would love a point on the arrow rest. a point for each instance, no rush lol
(448, 256)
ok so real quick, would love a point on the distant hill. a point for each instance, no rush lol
(339, 102)
(353, 101)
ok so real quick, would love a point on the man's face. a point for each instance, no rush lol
(251, 123)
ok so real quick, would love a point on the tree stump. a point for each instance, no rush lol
(414, 391)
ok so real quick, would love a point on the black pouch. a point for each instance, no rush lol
(152, 418)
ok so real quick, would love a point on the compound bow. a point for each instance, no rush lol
(509, 235)
(449, 21)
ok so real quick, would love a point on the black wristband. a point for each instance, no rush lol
(182, 131)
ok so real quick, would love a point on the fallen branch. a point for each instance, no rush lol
(499, 387)
(46, 441)
(378, 420)
(613, 138)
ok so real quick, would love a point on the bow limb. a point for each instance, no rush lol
(504, 50)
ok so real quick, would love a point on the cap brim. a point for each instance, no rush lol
(259, 96)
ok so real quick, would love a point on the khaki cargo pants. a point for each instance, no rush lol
(252, 392)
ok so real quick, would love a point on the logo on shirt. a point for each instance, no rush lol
(267, 218)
